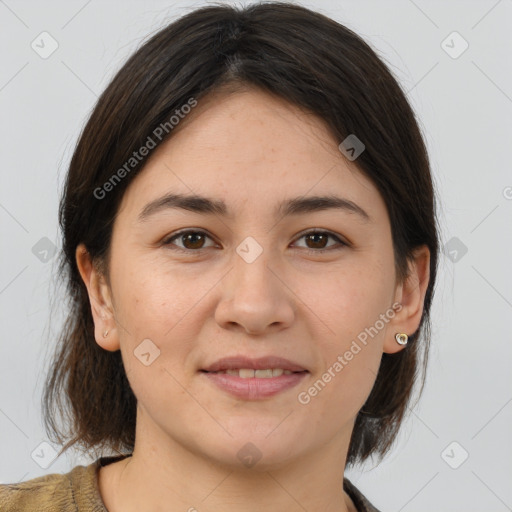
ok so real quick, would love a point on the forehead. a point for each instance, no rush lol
(251, 150)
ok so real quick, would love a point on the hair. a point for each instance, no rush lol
(288, 51)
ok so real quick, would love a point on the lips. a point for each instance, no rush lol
(239, 362)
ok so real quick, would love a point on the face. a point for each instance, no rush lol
(191, 286)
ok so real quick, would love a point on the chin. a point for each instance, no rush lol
(254, 449)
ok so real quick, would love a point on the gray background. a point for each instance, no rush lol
(464, 105)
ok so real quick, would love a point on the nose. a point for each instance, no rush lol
(255, 297)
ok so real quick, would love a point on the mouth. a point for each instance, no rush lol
(254, 379)
(249, 373)
(265, 366)
(254, 388)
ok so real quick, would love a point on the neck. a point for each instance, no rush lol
(163, 474)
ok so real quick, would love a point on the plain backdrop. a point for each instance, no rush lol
(453, 60)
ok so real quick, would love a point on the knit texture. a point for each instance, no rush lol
(78, 491)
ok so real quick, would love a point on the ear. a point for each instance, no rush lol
(100, 300)
(410, 295)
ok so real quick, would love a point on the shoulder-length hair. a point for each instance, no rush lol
(289, 51)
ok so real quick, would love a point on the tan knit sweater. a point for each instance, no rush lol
(78, 491)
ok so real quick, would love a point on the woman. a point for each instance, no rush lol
(250, 243)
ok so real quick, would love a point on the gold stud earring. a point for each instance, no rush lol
(105, 334)
(401, 338)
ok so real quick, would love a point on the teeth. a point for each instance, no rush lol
(248, 373)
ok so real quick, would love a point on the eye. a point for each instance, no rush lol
(319, 239)
(193, 241)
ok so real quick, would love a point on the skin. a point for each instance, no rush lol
(251, 150)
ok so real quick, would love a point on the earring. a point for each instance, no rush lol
(105, 334)
(401, 338)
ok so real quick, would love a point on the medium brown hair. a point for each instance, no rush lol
(291, 52)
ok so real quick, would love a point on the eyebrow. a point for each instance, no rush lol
(207, 206)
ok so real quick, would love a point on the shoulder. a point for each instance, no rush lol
(360, 501)
(52, 493)
(45, 493)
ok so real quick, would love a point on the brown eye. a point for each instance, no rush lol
(316, 241)
(194, 241)
(319, 240)
(191, 240)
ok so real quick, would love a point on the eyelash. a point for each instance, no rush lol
(168, 241)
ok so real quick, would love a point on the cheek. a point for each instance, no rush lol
(351, 304)
(156, 335)
(344, 378)
(347, 301)
(334, 398)
(151, 300)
